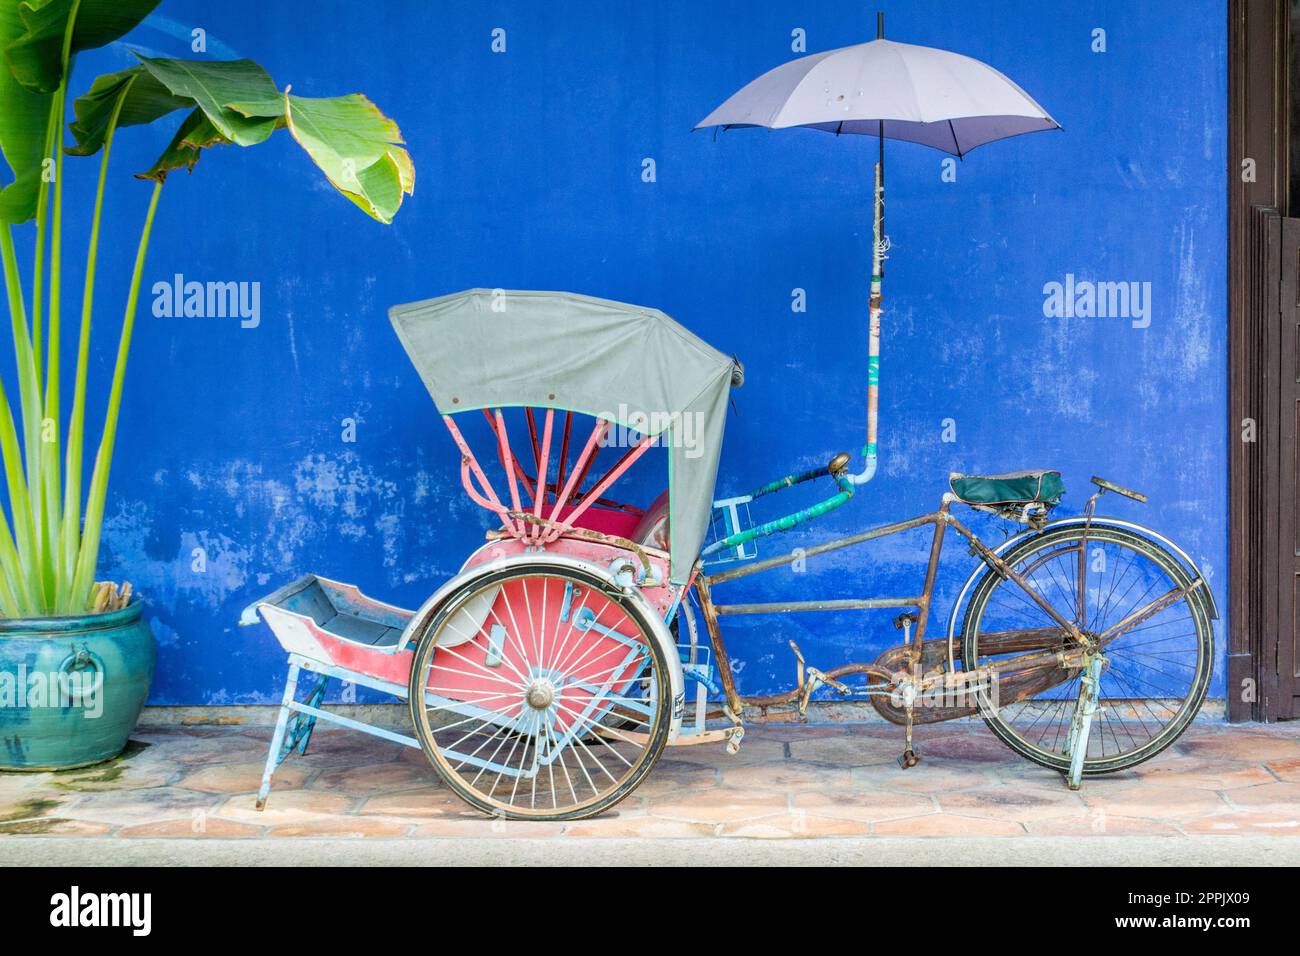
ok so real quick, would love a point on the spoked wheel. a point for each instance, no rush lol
(538, 694)
(1158, 666)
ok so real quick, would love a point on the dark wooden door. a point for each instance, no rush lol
(1282, 463)
(1264, 367)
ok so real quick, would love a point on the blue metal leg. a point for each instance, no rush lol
(275, 755)
(304, 724)
(1076, 745)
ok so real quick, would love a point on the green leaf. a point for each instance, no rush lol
(24, 117)
(20, 500)
(69, 538)
(88, 555)
(146, 100)
(267, 105)
(357, 147)
(213, 85)
(195, 135)
(35, 56)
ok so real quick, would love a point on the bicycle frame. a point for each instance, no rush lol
(941, 520)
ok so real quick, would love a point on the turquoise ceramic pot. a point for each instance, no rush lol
(71, 688)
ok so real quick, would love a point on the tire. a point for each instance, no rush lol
(1172, 652)
(523, 708)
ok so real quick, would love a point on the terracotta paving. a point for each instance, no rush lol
(788, 781)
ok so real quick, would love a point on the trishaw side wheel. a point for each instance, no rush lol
(1156, 673)
(540, 693)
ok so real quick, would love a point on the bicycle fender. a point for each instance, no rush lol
(1010, 543)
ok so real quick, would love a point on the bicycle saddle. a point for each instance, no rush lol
(1016, 488)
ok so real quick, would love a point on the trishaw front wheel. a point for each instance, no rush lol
(1106, 581)
(539, 693)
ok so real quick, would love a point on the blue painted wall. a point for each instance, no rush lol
(529, 176)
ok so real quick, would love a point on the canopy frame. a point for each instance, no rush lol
(636, 368)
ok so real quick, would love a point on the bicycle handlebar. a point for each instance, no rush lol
(1105, 485)
(833, 468)
(837, 468)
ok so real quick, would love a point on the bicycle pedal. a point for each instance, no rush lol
(733, 741)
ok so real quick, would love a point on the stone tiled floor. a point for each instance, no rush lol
(787, 782)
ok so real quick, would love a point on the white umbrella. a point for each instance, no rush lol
(894, 91)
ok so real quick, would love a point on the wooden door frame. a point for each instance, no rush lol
(1259, 124)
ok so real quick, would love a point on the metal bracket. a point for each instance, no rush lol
(737, 730)
(1085, 708)
(978, 550)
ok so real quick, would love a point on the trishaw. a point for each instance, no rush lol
(547, 677)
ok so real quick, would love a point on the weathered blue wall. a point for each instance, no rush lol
(529, 176)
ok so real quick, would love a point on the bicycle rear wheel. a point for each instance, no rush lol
(1158, 669)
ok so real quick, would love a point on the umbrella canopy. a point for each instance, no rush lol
(894, 91)
(915, 93)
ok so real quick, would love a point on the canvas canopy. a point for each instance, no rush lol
(627, 364)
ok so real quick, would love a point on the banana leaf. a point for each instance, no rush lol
(357, 148)
(213, 85)
(24, 117)
(49, 558)
(35, 56)
(195, 135)
(146, 100)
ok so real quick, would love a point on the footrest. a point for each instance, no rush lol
(731, 515)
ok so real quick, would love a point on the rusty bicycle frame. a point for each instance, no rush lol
(1050, 655)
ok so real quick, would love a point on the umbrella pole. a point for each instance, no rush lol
(878, 246)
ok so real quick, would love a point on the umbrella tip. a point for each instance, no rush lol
(880, 25)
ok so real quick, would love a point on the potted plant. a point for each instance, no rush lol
(76, 657)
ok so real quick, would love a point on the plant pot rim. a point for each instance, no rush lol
(14, 626)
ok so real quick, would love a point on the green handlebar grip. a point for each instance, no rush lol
(788, 481)
(837, 464)
(787, 522)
